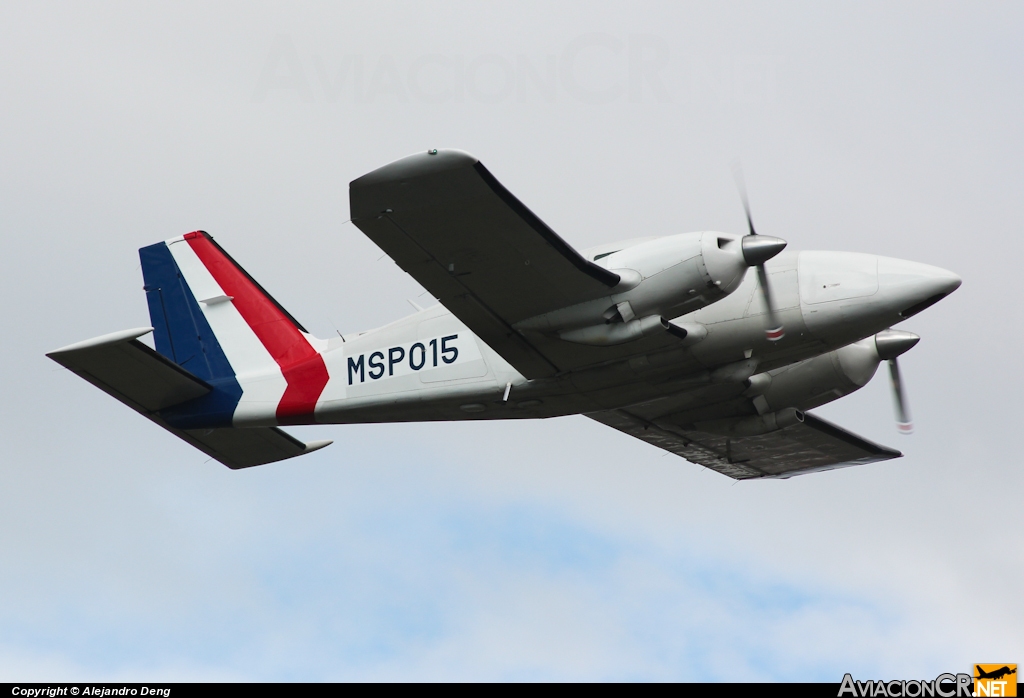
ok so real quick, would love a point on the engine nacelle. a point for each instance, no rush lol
(814, 382)
(828, 377)
(664, 277)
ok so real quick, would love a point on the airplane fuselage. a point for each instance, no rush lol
(430, 366)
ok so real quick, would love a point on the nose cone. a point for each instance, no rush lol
(911, 286)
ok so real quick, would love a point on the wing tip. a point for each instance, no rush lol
(417, 164)
(317, 445)
(103, 340)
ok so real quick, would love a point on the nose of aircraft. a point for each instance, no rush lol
(911, 286)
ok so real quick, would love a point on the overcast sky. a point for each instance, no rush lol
(533, 550)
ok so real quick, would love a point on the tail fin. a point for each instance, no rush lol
(211, 318)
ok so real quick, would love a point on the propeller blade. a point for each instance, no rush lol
(737, 172)
(774, 331)
(758, 249)
(903, 421)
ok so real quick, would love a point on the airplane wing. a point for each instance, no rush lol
(453, 227)
(125, 368)
(811, 446)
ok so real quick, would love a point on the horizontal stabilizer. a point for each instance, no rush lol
(133, 373)
(125, 368)
(244, 448)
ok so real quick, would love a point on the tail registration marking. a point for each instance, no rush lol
(406, 359)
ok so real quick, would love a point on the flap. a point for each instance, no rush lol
(133, 373)
(445, 219)
(808, 447)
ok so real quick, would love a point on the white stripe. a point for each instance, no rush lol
(262, 382)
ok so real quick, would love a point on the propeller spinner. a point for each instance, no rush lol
(889, 345)
(758, 249)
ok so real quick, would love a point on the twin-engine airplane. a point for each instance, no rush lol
(667, 339)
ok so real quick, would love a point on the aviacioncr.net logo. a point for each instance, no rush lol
(943, 686)
(995, 680)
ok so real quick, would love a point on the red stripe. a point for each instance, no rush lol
(303, 368)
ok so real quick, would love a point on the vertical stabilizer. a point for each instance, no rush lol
(213, 319)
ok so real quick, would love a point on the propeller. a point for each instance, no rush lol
(889, 345)
(758, 249)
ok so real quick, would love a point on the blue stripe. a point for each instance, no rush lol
(182, 334)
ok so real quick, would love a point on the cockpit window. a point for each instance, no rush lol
(605, 254)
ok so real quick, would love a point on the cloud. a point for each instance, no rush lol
(273, 578)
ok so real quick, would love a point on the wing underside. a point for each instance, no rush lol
(811, 446)
(444, 219)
